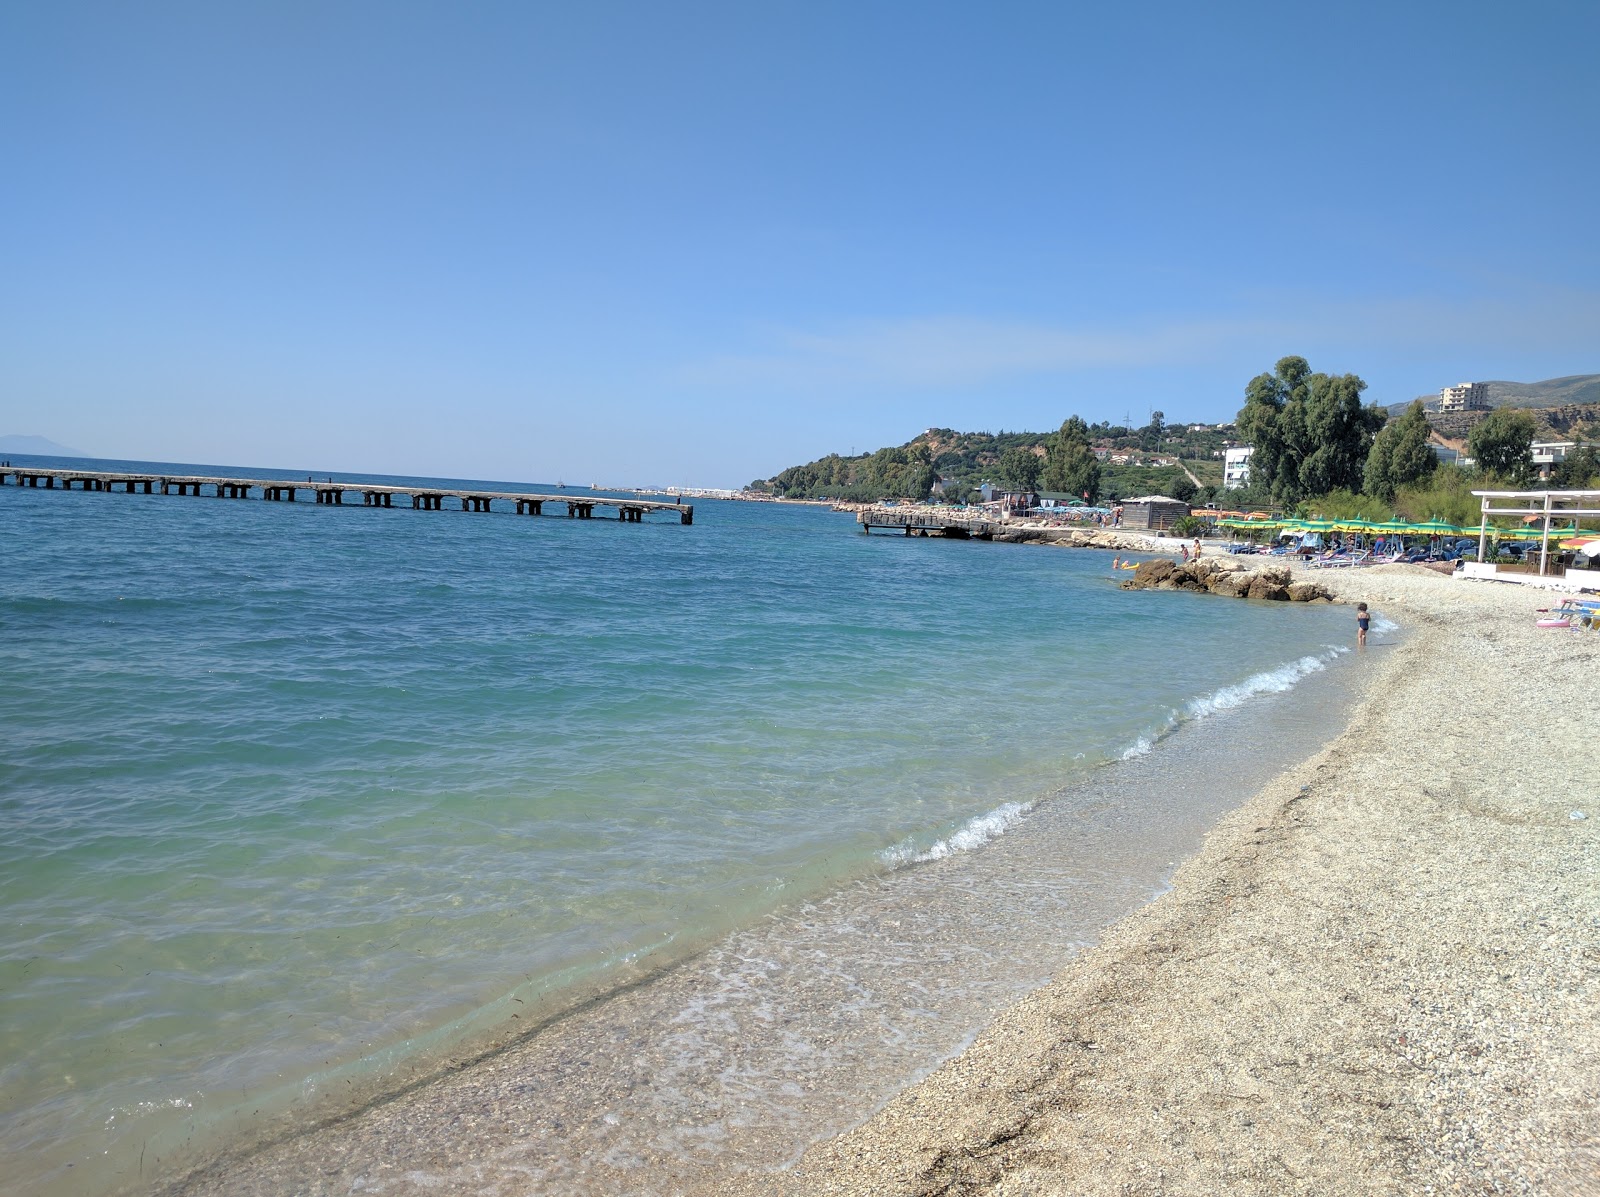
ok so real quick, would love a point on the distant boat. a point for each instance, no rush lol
(561, 486)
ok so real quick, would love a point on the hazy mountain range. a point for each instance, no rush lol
(39, 445)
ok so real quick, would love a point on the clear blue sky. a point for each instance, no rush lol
(698, 242)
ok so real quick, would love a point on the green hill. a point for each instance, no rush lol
(1552, 392)
(966, 459)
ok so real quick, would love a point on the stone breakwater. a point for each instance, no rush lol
(1085, 538)
(1233, 579)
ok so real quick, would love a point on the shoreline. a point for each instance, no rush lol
(1109, 1046)
(1380, 974)
(668, 1086)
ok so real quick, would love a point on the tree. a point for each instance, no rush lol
(1310, 432)
(1400, 455)
(1020, 468)
(1503, 444)
(1183, 487)
(1070, 465)
(1579, 470)
(1150, 435)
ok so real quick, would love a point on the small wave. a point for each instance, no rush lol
(975, 833)
(1273, 681)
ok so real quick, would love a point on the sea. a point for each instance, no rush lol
(300, 804)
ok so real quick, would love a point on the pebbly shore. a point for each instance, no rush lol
(1380, 975)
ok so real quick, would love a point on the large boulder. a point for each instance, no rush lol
(1265, 585)
(1305, 592)
(1152, 573)
(1229, 583)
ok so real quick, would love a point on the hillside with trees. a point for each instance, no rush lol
(1315, 443)
(1063, 461)
(1318, 451)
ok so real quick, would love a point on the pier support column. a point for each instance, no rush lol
(686, 516)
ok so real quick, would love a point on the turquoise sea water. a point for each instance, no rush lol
(293, 796)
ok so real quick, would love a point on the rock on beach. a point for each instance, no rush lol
(1232, 579)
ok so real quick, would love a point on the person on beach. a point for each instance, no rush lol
(1363, 621)
(1197, 548)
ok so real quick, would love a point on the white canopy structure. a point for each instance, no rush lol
(1537, 503)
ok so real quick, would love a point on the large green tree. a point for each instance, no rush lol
(1070, 464)
(1310, 432)
(1400, 455)
(1020, 467)
(1502, 442)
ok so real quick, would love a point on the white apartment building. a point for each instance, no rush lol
(1466, 396)
(1547, 454)
(1236, 467)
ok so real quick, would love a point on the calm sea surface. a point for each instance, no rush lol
(294, 794)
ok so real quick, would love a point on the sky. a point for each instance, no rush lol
(694, 243)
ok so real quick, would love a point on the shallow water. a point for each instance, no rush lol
(295, 795)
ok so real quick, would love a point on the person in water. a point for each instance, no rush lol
(1363, 621)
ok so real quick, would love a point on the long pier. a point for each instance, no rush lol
(423, 498)
(923, 522)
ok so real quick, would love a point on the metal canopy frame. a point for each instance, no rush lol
(1544, 503)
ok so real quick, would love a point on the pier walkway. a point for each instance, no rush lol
(423, 498)
(919, 521)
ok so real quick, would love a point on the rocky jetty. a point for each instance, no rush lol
(1234, 579)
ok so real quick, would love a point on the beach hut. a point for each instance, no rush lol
(1153, 513)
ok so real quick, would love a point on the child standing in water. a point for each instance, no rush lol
(1363, 621)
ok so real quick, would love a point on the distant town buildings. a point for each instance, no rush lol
(1466, 396)
(1236, 467)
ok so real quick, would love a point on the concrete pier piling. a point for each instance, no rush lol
(331, 494)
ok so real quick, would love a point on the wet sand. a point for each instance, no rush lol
(1380, 975)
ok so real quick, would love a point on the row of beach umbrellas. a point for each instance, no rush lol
(1570, 537)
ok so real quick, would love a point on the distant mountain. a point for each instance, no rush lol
(38, 445)
(1552, 392)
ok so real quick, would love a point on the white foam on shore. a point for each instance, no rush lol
(975, 833)
(1273, 681)
(980, 829)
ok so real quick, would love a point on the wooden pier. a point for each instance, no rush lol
(423, 498)
(919, 521)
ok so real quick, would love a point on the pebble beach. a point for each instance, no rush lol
(1381, 974)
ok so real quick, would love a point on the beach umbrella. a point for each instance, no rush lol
(1589, 545)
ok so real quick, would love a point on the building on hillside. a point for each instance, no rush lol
(1236, 467)
(1152, 513)
(1549, 454)
(1466, 396)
